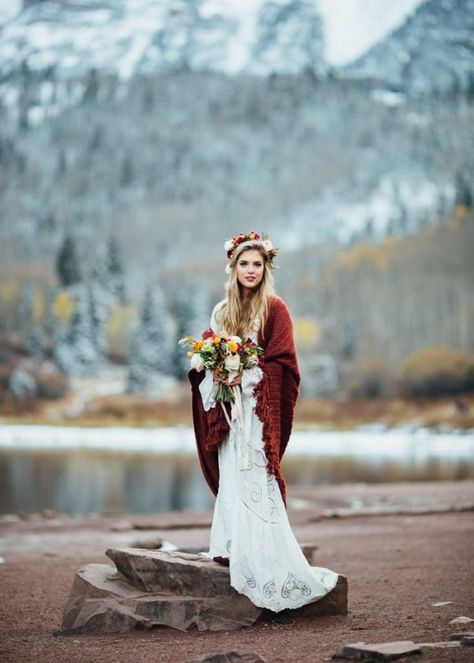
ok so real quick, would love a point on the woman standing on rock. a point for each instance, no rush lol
(241, 463)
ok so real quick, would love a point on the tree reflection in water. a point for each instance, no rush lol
(81, 481)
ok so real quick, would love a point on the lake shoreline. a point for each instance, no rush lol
(330, 413)
(137, 470)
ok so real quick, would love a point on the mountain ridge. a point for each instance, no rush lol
(145, 36)
(321, 157)
(432, 51)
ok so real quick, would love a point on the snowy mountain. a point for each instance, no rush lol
(143, 36)
(152, 108)
(248, 34)
(433, 50)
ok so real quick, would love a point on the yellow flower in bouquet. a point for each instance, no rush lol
(233, 346)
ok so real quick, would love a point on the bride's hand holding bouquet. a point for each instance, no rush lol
(226, 356)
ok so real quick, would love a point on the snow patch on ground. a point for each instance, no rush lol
(379, 445)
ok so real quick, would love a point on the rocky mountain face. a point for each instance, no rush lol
(154, 117)
(433, 51)
(145, 36)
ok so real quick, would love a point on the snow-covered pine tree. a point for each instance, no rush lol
(464, 192)
(149, 348)
(51, 323)
(30, 330)
(192, 317)
(99, 306)
(25, 309)
(34, 341)
(76, 352)
(106, 289)
(153, 324)
(115, 269)
(67, 264)
(138, 372)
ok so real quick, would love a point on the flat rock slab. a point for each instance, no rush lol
(175, 589)
(443, 644)
(184, 574)
(461, 620)
(102, 601)
(464, 638)
(382, 651)
(231, 657)
(461, 635)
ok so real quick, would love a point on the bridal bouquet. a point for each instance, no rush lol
(226, 356)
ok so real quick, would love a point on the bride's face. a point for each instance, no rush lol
(250, 268)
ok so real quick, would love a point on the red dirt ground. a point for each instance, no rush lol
(397, 567)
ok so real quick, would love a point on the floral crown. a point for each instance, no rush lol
(252, 236)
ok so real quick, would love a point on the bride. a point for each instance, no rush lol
(240, 450)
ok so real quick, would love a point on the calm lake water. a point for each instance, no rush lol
(118, 470)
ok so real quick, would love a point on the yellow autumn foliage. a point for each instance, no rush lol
(63, 306)
(366, 253)
(307, 331)
(122, 320)
(461, 212)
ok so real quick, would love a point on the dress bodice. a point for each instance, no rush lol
(215, 327)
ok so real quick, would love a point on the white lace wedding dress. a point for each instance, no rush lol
(250, 524)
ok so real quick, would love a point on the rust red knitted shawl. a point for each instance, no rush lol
(275, 394)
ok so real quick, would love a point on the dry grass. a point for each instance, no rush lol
(337, 413)
(345, 413)
(140, 410)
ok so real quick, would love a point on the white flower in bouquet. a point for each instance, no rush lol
(252, 361)
(232, 363)
(197, 362)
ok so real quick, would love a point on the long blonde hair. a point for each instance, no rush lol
(235, 317)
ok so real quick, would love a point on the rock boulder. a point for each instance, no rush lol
(180, 590)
